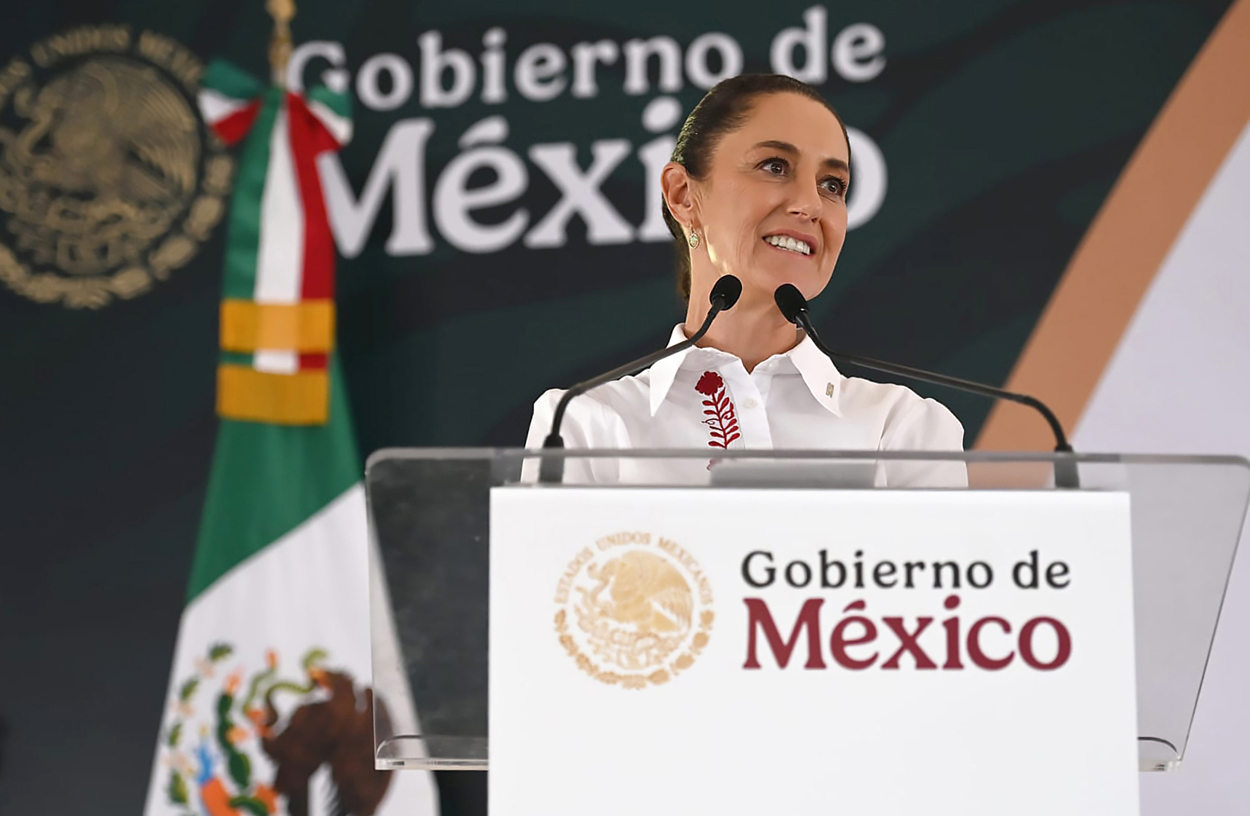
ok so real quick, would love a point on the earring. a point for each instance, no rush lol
(693, 240)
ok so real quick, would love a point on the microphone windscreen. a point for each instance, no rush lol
(728, 289)
(790, 301)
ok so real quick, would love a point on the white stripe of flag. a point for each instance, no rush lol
(280, 259)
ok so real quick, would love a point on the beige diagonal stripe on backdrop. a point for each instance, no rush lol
(1129, 239)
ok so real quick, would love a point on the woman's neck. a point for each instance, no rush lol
(753, 330)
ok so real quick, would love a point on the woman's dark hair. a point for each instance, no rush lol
(723, 110)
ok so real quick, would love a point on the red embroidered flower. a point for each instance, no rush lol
(709, 383)
(721, 418)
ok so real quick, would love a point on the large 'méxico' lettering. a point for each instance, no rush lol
(854, 641)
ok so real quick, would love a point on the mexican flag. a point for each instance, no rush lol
(269, 709)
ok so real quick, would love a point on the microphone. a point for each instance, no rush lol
(725, 294)
(794, 306)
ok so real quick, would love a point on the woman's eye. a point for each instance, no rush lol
(775, 166)
(835, 185)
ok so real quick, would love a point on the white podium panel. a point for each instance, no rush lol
(811, 651)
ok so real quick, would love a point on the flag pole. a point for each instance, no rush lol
(280, 43)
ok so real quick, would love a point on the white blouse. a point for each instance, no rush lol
(704, 398)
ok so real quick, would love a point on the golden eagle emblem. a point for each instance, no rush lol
(108, 181)
(640, 610)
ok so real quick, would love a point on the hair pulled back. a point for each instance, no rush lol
(724, 109)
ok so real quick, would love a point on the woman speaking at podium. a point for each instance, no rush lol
(756, 188)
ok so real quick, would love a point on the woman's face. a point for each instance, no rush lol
(772, 207)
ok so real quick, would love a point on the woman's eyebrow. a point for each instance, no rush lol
(774, 144)
(836, 164)
(786, 147)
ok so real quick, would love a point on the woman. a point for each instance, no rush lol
(756, 188)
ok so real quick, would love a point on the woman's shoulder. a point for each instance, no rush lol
(622, 397)
(908, 420)
(596, 418)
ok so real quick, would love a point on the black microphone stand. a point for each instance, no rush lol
(724, 295)
(794, 307)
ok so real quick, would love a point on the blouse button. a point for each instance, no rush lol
(749, 404)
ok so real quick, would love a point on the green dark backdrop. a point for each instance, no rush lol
(1003, 124)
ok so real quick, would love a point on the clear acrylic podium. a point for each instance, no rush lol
(429, 512)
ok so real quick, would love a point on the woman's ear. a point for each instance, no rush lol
(678, 194)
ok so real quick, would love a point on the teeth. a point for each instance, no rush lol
(786, 242)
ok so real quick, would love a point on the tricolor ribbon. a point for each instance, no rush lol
(277, 311)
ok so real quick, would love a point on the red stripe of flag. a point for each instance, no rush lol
(314, 361)
(308, 139)
(231, 129)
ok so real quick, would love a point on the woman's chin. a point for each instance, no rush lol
(803, 274)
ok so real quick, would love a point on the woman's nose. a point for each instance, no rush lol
(806, 202)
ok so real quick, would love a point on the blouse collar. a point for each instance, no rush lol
(818, 372)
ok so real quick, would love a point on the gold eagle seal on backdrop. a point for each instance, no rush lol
(108, 180)
(633, 610)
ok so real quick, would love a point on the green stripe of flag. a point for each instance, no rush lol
(267, 479)
(231, 81)
(243, 358)
(243, 233)
(338, 103)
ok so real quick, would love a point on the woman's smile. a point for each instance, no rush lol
(792, 242)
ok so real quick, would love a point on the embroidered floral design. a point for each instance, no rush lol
(721, 418)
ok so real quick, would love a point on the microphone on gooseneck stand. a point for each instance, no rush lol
(725, 294)
(794, 306)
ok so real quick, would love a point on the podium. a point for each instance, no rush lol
(430, 520)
